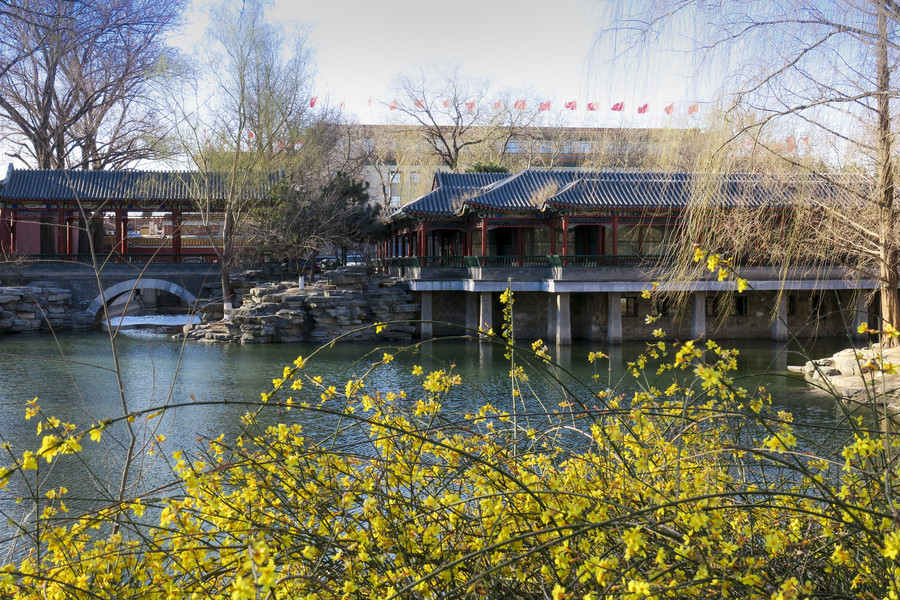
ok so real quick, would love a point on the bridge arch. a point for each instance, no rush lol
(125, 287)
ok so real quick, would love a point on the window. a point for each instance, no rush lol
(395, 200)
(712, 306)
(818, 306)
(629, 306)
(414, 177)
(661, 307)
(791, 305)
(513, 147)
(741, 306)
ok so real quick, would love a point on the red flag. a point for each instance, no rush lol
(370, 101)
(312, 101)
(519, 105)
(393, 105)
(572, 105)
(592, 106)
(544, 105)
(418, 104)
(447, 103)
(497, 105)
(342, 104)
(250, 134)
(669, 108)
(693, 108)
(805, 139)
(618, 106)
(642, 109)
(790, 143)
(470, 106)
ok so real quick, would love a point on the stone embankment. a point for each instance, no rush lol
(341, 303)
(36, 307)
(858, 375)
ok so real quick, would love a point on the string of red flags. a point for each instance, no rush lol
(521, 104)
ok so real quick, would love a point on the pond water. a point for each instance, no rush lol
(73, 377)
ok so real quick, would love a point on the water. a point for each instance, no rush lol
(211, 386)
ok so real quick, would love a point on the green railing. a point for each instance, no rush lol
(514, 261)
(159, 257)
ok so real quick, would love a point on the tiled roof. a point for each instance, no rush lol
(141, 187)
(468, 179)
(523, 192)
(531, 191)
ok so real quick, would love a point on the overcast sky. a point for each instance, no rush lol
(548, 47)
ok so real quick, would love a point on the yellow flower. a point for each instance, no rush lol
(559, 592)
(417, 370)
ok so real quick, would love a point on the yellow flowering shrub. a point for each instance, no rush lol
(689, 486)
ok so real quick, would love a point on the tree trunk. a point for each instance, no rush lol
(890, 303)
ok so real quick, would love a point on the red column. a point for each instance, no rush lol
(60, 231)
(124, 240)
(423, 242)
(176, 234)
(565, 234)
(615, 236)
(484, 237)
(5, 231)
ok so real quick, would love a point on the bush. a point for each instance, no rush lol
(689, 487)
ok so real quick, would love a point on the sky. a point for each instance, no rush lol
(549, 48)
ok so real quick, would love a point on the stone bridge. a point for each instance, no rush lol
(189, 282)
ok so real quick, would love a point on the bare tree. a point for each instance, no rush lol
(75, 80)
(801, 69)
(255, 127)
(456, 114)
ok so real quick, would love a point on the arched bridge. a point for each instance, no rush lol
(187, 281)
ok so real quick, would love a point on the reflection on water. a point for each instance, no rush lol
(212, 385)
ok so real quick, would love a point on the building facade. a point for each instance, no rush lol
(582, 249)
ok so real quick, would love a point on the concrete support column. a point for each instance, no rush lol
(779, 325)
(551, 318)
(426, 331)
(614, 318)
(698, 315)
(485, 318)
(563, 320)
(472, 312)
(860, 315)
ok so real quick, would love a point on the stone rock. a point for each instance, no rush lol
(854, 375)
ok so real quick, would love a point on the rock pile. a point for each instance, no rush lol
(35, 307)
(347, 303)
(858, 375)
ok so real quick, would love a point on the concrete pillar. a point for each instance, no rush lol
(614, 318)
(563, 320)
(426, 331)
(485, 318)
(779, 325)
(471, 311)
(860, 315)
(698, 315)
(551, 318)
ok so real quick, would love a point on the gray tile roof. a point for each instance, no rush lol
(536, 190)
(149, 188)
